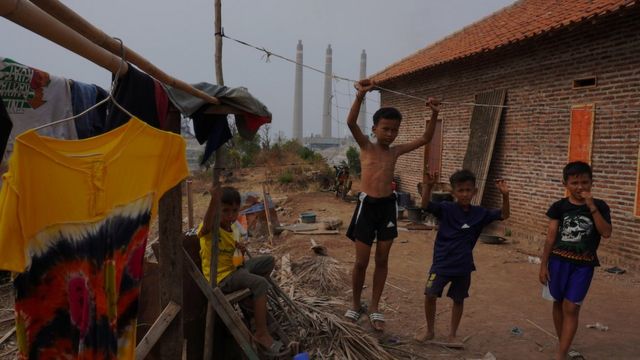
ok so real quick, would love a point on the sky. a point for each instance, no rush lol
(177, 36)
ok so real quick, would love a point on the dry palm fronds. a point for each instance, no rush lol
(326, 335)
(319, 275)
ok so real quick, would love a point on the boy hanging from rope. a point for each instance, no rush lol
(376, 212)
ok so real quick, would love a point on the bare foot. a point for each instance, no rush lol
(452, 339)
(424, 335)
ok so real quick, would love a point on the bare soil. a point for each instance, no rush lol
(504, 294)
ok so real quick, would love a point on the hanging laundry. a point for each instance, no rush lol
(32, 98)
(73, 226)
(162, 105)
(253, 113)
(135, 91)
(215, 128)
(84, 96)
(5, 131)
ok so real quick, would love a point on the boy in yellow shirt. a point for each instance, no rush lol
(252, 274)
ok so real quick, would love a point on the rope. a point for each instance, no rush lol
(269, 54)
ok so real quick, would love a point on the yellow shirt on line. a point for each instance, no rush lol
(74, 223)
(226, 247)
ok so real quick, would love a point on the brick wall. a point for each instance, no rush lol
(532, 144)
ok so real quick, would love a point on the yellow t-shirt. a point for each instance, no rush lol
(226, 248)
(74, 221)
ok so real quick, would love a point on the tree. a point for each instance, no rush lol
(353, 159)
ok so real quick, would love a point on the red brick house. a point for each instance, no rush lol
(550, 56)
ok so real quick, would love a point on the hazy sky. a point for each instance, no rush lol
(178, 37)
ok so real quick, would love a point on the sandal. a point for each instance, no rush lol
(575, 355)
(275, 350)
(376, 317)
(354, 315)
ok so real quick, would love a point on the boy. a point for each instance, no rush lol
(460, 225)
(576, 224)
(376, 211)
(252, 274)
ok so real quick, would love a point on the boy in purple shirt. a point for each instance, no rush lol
(460, 224)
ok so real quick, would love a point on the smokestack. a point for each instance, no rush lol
(297, 96)
(326, 108)
(362, 116)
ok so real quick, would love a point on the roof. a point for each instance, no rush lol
(519, 21)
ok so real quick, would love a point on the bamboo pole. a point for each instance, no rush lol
(70, 18)
(210, 322)
(29, 16)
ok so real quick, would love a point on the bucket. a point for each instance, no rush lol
(414, 214)
(404, 198)
(439, 196)
(308, 217)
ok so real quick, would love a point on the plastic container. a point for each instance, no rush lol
(308, 217)
(237, 259)
(301, 356)
(404, 199)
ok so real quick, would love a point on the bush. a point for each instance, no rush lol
(285, 178)
(353, 159)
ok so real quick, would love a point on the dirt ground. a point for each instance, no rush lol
(504, 293)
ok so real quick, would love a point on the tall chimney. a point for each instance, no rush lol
(326, 108)
(362, 116)
(297, 96)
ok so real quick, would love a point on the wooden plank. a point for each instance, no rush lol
(189, 189)
(224, 309)
(157, 329)
(236, 296)
(170, 260)
(483, 130)
(581, 133)
(267, 212)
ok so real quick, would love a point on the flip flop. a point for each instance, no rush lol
(376, 317)
(575, 355)
(354, 315)
(274, 350)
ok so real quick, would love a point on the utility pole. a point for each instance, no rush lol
(217, 167)
(297, 96)
(326, 106)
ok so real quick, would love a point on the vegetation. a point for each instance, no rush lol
(353, 160)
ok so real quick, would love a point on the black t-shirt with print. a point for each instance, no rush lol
(577, 239)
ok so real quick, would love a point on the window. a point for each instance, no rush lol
(637, 207)
(587, 82)
(433, 152)
(581, 133)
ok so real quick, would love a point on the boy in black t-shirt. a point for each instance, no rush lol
(576, 224)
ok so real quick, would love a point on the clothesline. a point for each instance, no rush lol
(270, 54)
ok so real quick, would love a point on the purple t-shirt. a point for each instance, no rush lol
(457, 236)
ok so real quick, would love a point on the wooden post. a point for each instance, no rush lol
(209, 329)
(190, 202)
(171, 259)
(267, 212)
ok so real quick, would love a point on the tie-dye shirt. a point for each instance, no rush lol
(74, 220)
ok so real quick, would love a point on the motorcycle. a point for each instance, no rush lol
(342, 182)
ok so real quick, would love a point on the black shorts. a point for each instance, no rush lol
(374, 218)
(458, 291)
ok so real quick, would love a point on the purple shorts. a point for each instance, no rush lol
(568, 280)
(458, 291)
